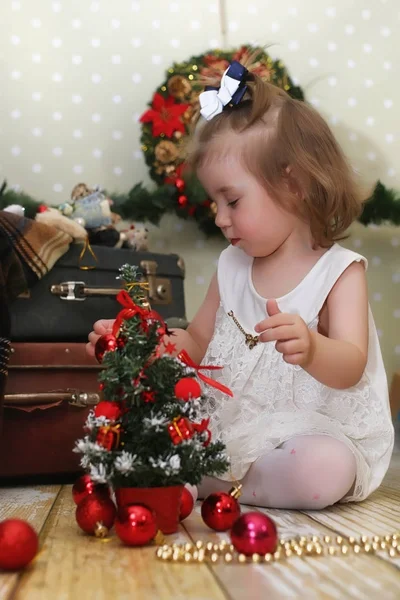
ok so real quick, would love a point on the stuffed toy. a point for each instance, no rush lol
(89, 217)
(134, 238)
(89, 207)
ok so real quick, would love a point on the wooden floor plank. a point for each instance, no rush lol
(335, 578)
(32, 504)
(363, 574)
(72, 564)
(378, 515)
(75, 565)
(371, 517)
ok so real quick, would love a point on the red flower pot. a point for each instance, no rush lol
(165, 501)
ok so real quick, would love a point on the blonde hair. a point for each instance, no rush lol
(288, 146)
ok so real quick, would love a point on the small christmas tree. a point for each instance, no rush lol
(145, 433)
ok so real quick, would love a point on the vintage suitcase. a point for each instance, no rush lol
(63, 306)
(48, 394)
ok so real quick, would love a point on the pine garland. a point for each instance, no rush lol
(382, 207)
(165, 127)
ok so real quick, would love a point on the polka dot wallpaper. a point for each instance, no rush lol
(77, 75)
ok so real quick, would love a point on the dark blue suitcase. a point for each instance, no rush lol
(64, 304)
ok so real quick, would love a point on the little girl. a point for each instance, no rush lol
(287, 313)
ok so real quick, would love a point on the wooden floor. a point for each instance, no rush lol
(72, 565)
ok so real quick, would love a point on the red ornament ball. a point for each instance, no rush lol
(105, 343)
(136, 524)
(42, 208)
(96, 514)
(84, 486)
(182, 200)
(220, 510)
(187, 388)
(254, 533)
(109, 410)
(187, 504)
(19, 544)
(180, 184)
(121, 341)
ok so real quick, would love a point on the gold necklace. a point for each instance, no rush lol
(250, 340)
(301, 546)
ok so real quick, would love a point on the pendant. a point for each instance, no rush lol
(251, 340)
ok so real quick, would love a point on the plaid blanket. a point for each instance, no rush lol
(28, 250)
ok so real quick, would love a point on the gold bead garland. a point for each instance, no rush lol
(301, 546)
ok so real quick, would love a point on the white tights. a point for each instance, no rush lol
(306, 473)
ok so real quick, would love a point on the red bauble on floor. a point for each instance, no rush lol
(187, 504)
(254, 533)
(220, 510)
(84, 486)
(96, 514)
(19, 544)
(136, 524)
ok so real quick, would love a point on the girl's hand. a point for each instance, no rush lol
(99, 328)
(292, 336)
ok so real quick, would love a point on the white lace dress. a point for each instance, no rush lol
(273, 401)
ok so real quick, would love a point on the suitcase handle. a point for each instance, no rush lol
(73, 397)
(160, 291)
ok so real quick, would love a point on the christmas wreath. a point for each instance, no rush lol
(166, 125)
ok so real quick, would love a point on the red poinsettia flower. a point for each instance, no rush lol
(214, 66)
(257, 67)
(165, 114)
(241, 54)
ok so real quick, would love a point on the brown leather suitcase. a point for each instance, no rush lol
(49, 391)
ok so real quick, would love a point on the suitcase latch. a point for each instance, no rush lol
(83, 399)
(160, 291)
(69, 290)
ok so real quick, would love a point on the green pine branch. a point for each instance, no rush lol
(382, 207)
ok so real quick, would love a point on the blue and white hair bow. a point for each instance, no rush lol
(231, 91)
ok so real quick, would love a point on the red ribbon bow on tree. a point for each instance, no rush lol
(130, 310)
(203, 426)
(185, 358)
